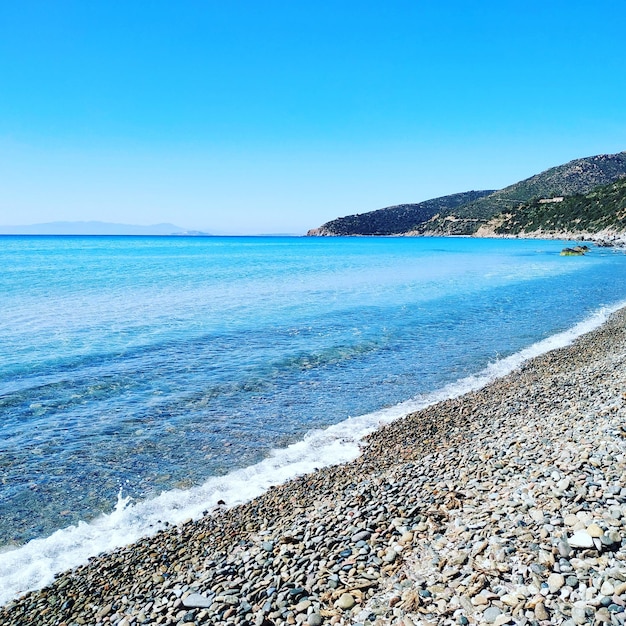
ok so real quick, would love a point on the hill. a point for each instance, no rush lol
(466, 217)
(603, 210)
(395, 220)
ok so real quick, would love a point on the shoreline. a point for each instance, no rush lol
(603, 239)
(329, 546)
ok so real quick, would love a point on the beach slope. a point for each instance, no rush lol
(505, 505)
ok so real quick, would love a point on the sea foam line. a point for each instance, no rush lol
(35, 564)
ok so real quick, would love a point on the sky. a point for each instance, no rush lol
(271, 116)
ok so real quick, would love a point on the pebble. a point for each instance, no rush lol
(540, 611)
(390, 555)
(195, 600)
(491, 614)
(345, 602)
(594, 530)
(607, 589)
(581, 539)
(555, 582)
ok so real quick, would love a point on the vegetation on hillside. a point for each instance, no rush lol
(602, 209)
(398, 219)
(576, 177)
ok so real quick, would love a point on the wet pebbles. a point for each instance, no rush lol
(505, 506)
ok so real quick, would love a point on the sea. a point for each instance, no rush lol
(146, 380)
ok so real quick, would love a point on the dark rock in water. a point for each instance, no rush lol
(575, 251)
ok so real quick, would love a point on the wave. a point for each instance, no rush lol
(35, 564)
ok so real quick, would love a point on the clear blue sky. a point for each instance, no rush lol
(276, 116)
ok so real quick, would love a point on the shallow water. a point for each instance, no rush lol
(170, 365)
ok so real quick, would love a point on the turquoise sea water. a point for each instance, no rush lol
(140, 376)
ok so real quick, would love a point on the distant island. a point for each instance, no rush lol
(582, 199)
(97, 228)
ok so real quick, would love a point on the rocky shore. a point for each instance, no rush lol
(504, 506)
(603, 239)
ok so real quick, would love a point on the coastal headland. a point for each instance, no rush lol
(582, 199)
(505, 505)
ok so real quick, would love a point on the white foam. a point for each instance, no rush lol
(34, 565)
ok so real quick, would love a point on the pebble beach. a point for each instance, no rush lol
(503, 506)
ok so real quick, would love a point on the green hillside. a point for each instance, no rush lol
(602, 209)
(395, 220)
(578, 176)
